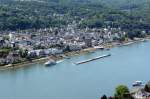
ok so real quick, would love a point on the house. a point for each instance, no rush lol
(88, 42)
(14, 44)
(42, 53)
(2, 61)
(13, 57)
(75, 47)
(138, 92)
(55, 51)
(32, 54)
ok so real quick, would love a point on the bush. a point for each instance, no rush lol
(121, 91)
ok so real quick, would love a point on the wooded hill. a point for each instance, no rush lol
(131, 15)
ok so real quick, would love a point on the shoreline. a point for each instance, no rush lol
(73, 53)
(44, 59)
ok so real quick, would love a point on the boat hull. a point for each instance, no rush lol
(50, 63)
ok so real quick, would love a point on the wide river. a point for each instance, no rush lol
(87, 81)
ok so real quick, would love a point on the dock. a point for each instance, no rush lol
(96, 58)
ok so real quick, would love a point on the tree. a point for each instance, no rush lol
(67, 49)
(5, 51)
(23, 53)
(121, 91)
(104, 97)
(146, 88)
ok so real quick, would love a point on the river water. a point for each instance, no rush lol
(87, 81)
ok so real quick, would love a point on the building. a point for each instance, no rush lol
(138, 92)
(88, 42)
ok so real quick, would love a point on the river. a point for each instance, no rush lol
(87, 81)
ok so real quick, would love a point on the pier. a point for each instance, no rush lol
(96, 58)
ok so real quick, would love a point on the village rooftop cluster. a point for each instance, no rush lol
(19, 46)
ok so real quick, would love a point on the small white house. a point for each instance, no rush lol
(55, 51)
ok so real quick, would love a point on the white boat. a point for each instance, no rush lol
(50, 63)
(99, 47)
(137, 83)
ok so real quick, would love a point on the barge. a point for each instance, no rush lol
(96, 58)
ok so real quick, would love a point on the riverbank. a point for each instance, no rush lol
(126, 43)
(74, 53)
(44, 59)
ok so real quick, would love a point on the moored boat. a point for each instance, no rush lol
(96, 58)
(137, 83)
(99, 47)
(50, 63)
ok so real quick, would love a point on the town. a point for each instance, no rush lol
(31, 44)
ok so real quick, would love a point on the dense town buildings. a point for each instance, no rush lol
(52, 41)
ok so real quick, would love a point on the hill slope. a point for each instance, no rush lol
(29, 14)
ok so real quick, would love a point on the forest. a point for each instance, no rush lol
(132, 16)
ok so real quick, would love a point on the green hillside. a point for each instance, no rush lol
(36, 14)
